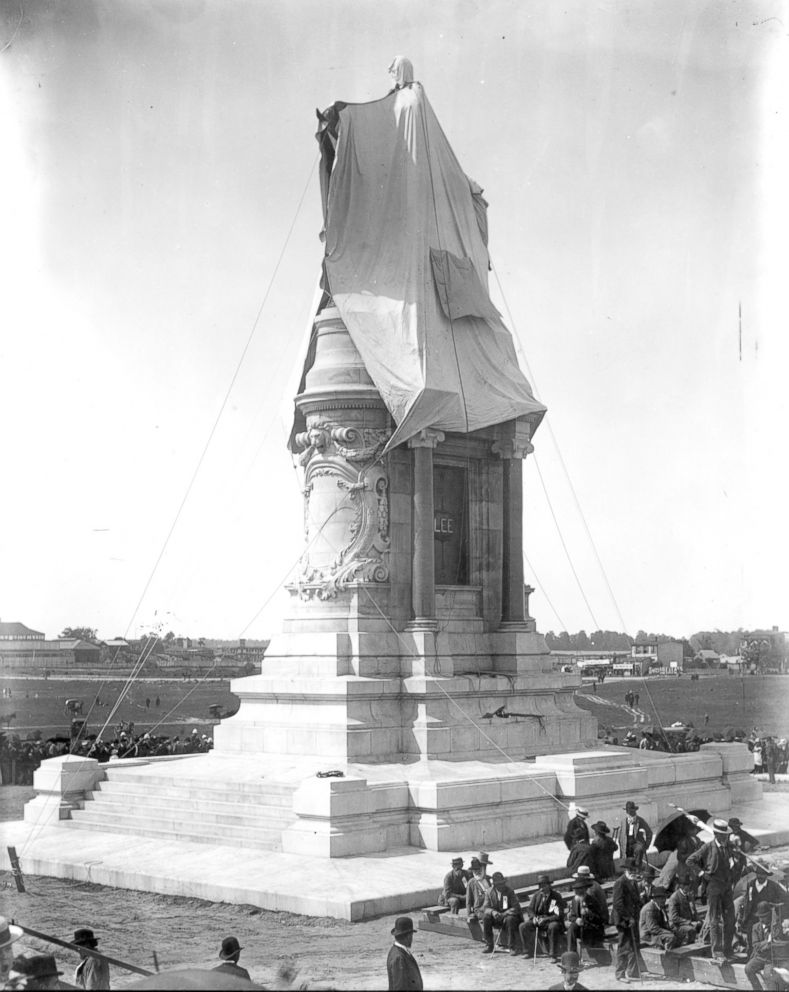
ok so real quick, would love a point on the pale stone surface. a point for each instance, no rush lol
(350, 888)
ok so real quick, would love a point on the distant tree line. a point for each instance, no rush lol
(722, 642)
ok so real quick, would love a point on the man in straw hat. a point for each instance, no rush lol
(229, 953)
(8, 935)
(570, 965)
(91, 973)
(717, 865)
(401, 966)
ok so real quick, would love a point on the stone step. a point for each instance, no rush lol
(160, 807)
(274, 795)
(190, 798)
(265, 838)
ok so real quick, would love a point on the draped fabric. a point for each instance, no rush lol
(406, 264)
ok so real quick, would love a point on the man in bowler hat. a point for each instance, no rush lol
(638, 834)
(401, 966)
(570, 965)
(229, 953)
(91, 973)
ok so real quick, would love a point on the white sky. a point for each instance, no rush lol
(154, 156)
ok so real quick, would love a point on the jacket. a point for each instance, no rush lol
(681, 909)
(602, 858)
(772, 893)
(716, 864)
(575, 828)
(403, 971)
(626, 904)
(454, 885)
(652, 923)
(475, 894)
(641, 832)
(495, 900)
(548, 905)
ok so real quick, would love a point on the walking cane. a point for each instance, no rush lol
(635, 948)
(536, 938)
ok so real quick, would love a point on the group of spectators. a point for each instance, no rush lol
(770, 755)
(20, 758)
(33, 970)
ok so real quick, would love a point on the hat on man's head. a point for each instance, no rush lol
(457, 861)
(601, 827)
(570, 962)
(475, 863)
(734, 822)
(543, 880)
(584, 871)
(630, 806)
(658, 891)
(8, 932)
(484, 857)
(85, 937)
(764, 909)
(497, 877)
(720, 827)
(580, 811)
(36, 965)
(230, 946)
(582, 883)
(403, 925)
(761, 866)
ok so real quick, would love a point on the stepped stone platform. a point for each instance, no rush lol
(246, 830)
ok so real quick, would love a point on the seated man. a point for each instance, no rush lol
(501, 908)
(453, 893)
(653, 922)
(682, 911)
(478, 885)
(595, 892)
(760, 888)
(545, 918)
(585, 924)
(765, 936)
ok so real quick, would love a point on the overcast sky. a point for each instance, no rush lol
(155, 156)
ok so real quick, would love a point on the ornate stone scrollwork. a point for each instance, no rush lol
(346, 509)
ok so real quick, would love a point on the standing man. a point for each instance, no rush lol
(229, 953)
(546, 919)
(653, 922)
(604, 847)
(576, 828)
(91, 973)
(401, 967)
(625, 910)
(748, 842)
(501, 908)
(453, 893)
(638, 834)
(715, 862)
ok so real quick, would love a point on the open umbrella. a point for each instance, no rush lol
(194, 978)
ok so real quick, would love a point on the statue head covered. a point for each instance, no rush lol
(402, 71)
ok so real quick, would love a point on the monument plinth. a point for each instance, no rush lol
(409, 701)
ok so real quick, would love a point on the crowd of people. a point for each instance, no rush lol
(770, 754)
(20, 758)
(651, 906)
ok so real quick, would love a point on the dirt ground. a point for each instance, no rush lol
(327, 953)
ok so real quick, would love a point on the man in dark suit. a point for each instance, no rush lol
(653, 922)
(760, 888)
(577, 827)
(766, 937)
(501, 908)
(453, 893)
(638, 834)
(681, 910)
(546, 918)
(401, 967)
(230, 952)
(749, 842)
(625, 910)
(717, 865)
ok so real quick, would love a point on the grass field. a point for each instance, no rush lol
(40, 704)
(729, 700)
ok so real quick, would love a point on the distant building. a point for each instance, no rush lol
(707, 657)
(19, 632)
(666, 654)
(36, 655)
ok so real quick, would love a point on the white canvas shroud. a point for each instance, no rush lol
(397, 191)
